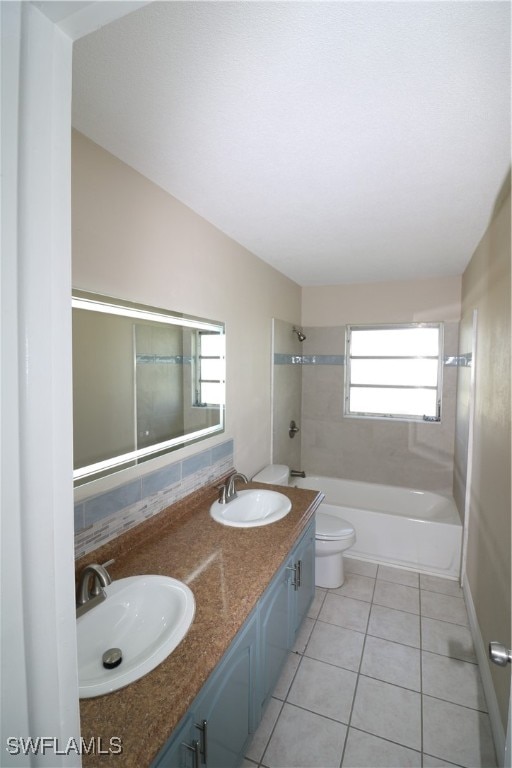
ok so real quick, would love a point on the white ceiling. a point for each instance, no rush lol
(339, 141)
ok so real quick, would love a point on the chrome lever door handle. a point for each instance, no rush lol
(499, 655)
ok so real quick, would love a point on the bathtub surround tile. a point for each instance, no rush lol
(304, 739)
(345, 612)
(259, 741)
(388, 711)
(392, 663)
(336, 645)
(398, 626)
(438, 584)
(444, 607)
(397, 596)
(323, 689)
(398, 576)
(363, 750)
(452, 680)
(457, 734)
(447, 639)
(356, 586)
(362, 567)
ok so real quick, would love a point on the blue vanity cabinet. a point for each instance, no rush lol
(276, 636)
(225, 710)
(216, 729)
(283, 608)
(183, 748)
(304, 554)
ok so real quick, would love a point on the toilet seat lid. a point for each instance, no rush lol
(329, 527)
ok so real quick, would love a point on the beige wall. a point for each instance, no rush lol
(133, 240)
(486, 288)
(393, 302)
(410, 454)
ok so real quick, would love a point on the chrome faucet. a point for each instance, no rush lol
(228, 490)
(91, 586)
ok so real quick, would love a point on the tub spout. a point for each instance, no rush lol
(297, 473)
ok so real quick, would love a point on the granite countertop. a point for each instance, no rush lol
(227, 569)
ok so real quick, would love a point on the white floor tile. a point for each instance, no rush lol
(397, 596)
(356, 586)
(303, 635)
(398, 576)
(435, 762)
(448, 639)
(336, 645)
(361, 567)
(443, 607)
(314, 608)
(286, 676)
(438, 584)
(260, 739)
(324, 689)
(457, 734)
(453, 680)
(392, 662)
(345, 612)
(303, 739)
(388, 711)
(394, 625)
(363, 750)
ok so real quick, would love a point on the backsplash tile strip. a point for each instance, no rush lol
(110, 514)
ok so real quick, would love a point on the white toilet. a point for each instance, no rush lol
(333, 535)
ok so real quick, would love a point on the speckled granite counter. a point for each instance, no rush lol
(227, 569)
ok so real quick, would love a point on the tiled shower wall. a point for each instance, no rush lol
(410, 454)
(102, 517)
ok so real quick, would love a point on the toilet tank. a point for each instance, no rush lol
(273, 474)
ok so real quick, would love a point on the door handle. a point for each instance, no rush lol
(499, 655)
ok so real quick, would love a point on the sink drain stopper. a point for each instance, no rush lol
(112, 658)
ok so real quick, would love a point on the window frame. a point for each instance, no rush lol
(394, 416)
(198, 379)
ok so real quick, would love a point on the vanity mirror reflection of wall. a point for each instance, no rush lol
(145, 381)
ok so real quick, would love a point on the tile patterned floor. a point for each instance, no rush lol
(383, 675)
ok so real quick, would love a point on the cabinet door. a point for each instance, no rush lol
(305, 555)
(226, 705)
(276, 632)
(179, 751)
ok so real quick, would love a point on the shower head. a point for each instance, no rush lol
(301, 336)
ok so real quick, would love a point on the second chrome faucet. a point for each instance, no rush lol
(228, 489)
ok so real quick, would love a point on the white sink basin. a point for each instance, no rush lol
(145, 617)
(252, 508)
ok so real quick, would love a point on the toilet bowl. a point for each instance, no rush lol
(333, 535)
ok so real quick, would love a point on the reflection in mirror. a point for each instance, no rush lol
(145, 381)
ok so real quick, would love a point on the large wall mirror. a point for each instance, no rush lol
(145, 381)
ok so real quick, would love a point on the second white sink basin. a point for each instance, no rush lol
(252, 508)
(146, 617)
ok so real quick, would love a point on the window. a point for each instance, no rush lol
(394, 371)
(210, 369)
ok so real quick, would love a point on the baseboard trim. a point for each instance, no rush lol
(483, 663)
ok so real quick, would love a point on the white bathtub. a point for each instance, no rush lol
(412, 529)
